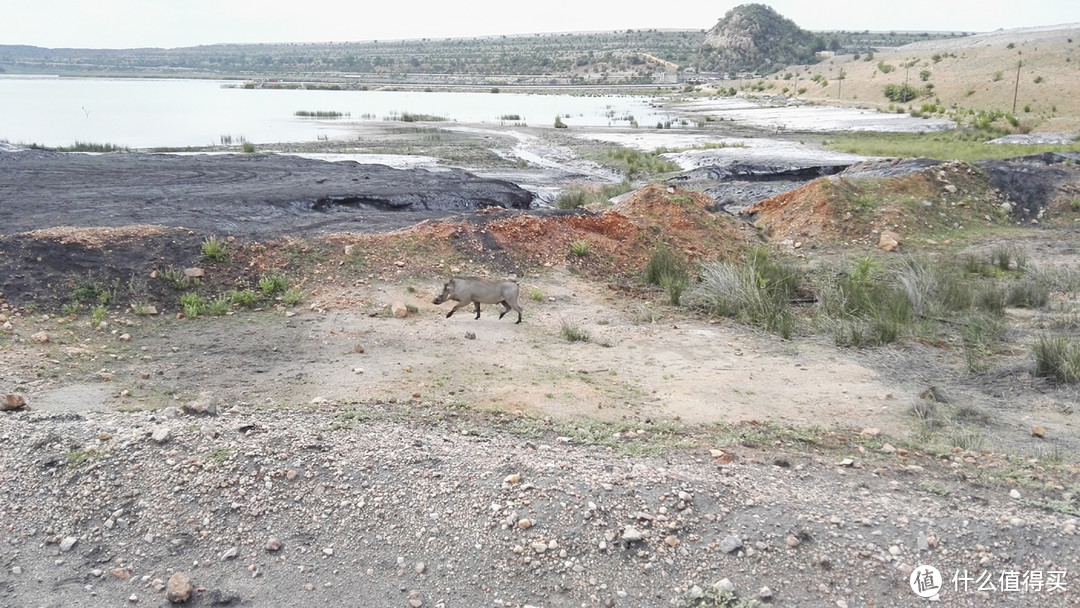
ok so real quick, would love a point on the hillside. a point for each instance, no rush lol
(1022, 72)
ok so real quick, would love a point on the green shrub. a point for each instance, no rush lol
(274, 283)
(248, 147)
(900, 93)
(666, 270)
(580, 248)
(246, 298)
(215, 249)
(219, 306)
(193, 305)
(294, 295)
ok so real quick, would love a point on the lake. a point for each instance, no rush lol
(148, 113)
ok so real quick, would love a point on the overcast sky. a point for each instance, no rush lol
(173, 23)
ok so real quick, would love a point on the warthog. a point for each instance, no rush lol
(474, 290)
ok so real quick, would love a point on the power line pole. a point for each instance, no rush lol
(1016, 88)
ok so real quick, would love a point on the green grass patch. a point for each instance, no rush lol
(572, 332)
(635, 164)
(580, 195)
(758, 291)
(963, 145)
(1057, 358)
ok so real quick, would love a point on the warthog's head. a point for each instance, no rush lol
(442, 297)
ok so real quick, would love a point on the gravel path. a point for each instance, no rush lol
(348, 505)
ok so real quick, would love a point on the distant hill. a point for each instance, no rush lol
(755, 38)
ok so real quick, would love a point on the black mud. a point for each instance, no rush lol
(253, 196)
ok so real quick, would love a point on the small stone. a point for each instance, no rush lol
(672, 541)
(68, 543)
(792, 541)
(124, 337)
(631, 534)
(420, 567)
(888, 448)
(730, 544)
(194, 273)
(847, 462)
(524, 523)
(204, 405)
(1038, 431)
(764, 593)
(539, 547)
(16, 570)
(229, 554)
(122, 574)
(515, 478)
(470, 335)
(178, 589)
(40, 337)
(1014, 493)
(13, 402)
(273, 545)
(133, 598)
(889, 241)
(328, 551)
(399, 310)
(723, 585)
(161, 434)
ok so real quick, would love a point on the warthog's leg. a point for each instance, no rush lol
(510, 307)
(460, 305)
(477, 310)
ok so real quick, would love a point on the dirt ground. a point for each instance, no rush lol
(395, 458)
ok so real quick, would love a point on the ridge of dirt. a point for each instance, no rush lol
(930, 204)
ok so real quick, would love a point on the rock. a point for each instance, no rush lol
(359, 349)
(230, 554)
(1038, 431)
(1014, 493)
(194, 273)
(40, 337)
(792, 541)
(273, 545)
(730, 544)
(399, 310)
(888, 448)
(889, 241)
(123, 574)
(67, 544)
(671, 541)
(470, 335)
(632, 535)
(513, 478)
(124, 337)
(203, 405)
(539, 546)
(724, 585)
(524, 523)
(12, 402)
(178, 589)
(950, 188)
(420, 567)
(161, 434)
(764, 593)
